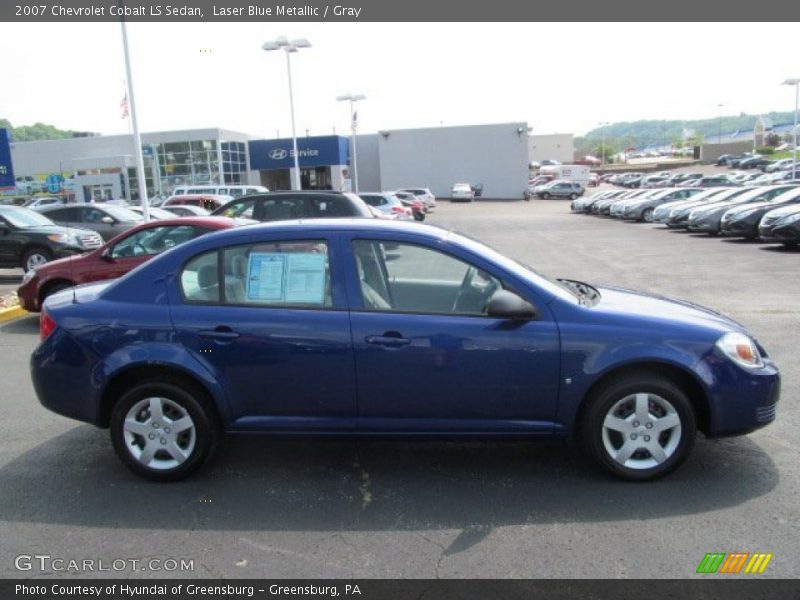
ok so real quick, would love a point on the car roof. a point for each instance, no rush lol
(349, 224)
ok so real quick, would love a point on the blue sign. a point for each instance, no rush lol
(321, 151)
(54, 183)
(6, 168)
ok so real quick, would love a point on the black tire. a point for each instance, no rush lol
(196, 405)
(545, 196)
(44, 253)
(647, 215)
(418, 216)
(603, 399)
(573, 196)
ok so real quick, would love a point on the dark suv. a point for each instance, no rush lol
(284, 206)
(29, 239)
(559, 189)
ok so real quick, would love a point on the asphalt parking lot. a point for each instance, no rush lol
(393, 509)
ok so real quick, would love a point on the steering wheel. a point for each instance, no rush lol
(466, 299)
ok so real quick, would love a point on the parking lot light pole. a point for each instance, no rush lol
(719, 125)
(137, 138)
(353, 98)
(796, 83)
(289, 47)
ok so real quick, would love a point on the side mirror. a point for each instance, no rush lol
(507, 305)
(107, 220)
(106, 255)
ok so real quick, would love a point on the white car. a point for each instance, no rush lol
(424, 194)
(462, 191)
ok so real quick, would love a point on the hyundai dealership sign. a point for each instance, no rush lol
(6, 168)
(322, 151)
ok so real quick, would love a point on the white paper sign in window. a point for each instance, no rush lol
(279, 278)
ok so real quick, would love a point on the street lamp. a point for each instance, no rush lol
(289, 47)
(719, 125)
(603, 126)
(796, 84)
(353, 98)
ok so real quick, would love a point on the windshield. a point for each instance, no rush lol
(25, 218)
(123, 214)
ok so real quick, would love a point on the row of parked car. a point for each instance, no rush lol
(769, 213)
(668, 179)
(753, 160)
(99, 241)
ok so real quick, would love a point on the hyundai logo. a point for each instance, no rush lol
(278, 154)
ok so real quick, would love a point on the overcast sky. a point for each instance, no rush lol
(557, 77)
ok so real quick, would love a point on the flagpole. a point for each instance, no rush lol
(137, 139)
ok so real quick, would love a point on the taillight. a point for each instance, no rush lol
(46, 326)
(398, 209)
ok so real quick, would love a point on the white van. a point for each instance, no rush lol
(223, 190)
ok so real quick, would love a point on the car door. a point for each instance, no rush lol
(10, 244)
(268, 318)
(429, 359)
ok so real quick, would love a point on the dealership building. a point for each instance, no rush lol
(495, 156)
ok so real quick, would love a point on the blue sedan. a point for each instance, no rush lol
(376, 328)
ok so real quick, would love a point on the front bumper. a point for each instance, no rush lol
(787, 234)
(739, 400)
(742, 228)
(707, 224)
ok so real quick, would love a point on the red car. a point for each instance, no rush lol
(115, 258)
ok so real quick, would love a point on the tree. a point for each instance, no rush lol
(772, 140)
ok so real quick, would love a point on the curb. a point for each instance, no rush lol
(15, 312)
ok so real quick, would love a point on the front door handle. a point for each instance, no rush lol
(390, 339)
(222, 333)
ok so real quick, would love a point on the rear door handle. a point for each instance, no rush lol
(221, 333)
(391, 341)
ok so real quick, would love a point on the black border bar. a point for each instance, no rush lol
(707, 588)
(399, 11)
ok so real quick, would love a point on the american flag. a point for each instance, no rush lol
(124, 106)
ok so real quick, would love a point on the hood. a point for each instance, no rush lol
(635, 304)
(51, 229)
(783, 211)
(752, 206)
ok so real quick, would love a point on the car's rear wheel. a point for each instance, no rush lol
(639, 427)
(546, 196)
(647, 215)
(163, 430)
(35, 257)
(573, 196)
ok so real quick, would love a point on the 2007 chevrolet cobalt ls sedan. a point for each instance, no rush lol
(366, 327)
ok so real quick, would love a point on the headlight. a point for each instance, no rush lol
(743, 214)
(61, 238)
(740, 349)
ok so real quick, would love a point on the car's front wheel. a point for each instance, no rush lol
(639, 427)
(35, 257)
(647, 215)
(573, 196)
(163, 430)
(546, 196)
